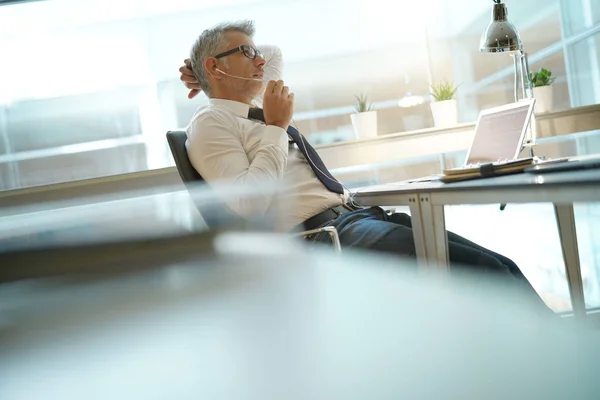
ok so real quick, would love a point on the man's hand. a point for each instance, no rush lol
(188, 79)
(278, 104)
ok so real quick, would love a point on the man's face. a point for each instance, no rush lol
(238, 64)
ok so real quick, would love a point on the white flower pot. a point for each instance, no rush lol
(365, 124)
(544, 98)
(445, 113)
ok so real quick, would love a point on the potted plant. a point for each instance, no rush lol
(541, 82)
(364, 119)
(444, 106)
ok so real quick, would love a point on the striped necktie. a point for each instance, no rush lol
(308, 152)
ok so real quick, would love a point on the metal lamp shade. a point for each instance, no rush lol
(500, 35)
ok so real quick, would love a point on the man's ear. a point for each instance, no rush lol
(211, 66)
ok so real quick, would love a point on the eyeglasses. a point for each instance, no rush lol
(246, 50)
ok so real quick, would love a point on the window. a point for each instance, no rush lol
(93, 95)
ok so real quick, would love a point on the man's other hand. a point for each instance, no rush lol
(188, 79)
(278, 104)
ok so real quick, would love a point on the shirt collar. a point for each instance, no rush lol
(239, 109)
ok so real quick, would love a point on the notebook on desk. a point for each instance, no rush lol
(497, 142)
(486, 170)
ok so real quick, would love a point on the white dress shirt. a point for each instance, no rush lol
(226, 147)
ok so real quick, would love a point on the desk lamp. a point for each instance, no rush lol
(501, 36)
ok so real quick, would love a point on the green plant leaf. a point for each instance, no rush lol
(362, 104)
(443, 91)
(541, 78)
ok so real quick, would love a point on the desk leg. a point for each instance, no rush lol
(434, 232)
(441, 238)
(565, 218)
(417, 228)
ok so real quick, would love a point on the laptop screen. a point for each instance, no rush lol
(499, 133)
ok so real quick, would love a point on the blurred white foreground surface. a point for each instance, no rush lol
(263, 318)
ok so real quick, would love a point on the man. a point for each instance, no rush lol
(232, 141)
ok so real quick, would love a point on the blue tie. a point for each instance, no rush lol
(308, 152)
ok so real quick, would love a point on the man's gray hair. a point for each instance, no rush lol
(210, 43)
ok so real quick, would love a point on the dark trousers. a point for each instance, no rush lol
(374, 229)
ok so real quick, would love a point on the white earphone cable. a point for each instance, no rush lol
(350, 193)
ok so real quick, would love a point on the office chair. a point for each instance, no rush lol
(217, 215)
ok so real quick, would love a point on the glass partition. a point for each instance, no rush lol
(143, 215)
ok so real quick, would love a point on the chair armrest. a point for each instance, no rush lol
(333, 235)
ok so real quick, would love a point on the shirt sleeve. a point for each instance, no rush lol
(273, 69)
(216, 151)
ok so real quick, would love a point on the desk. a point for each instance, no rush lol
(427, 201)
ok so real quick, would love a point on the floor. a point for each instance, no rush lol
(527, 234)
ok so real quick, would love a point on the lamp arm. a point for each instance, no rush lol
(516, 83)
(524, 78)
(528, 76)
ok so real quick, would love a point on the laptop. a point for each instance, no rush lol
(499, 135)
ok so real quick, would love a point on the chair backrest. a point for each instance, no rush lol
(188, 173)
(216, 214)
